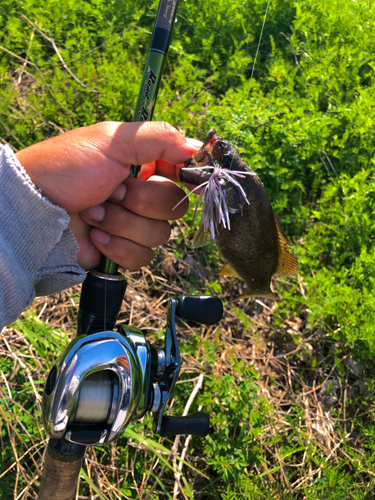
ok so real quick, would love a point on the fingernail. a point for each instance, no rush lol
(94, 213)
(119, 193)
(100, 236)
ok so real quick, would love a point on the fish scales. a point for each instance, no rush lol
(250, 247)
(255, 246)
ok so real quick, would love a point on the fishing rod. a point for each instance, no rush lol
(104, 379)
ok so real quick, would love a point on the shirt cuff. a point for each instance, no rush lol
(38, 251)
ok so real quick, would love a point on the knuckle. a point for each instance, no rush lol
(166, 131)
(167, 128)
(148, 257)
(144, 258)
(143, 202)
(164, 233)
(117, 220)
(132, 256)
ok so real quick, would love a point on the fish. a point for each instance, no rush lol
(238, 217)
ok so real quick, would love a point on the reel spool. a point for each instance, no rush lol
(104, 380)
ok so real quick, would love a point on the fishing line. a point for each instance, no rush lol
(256, 55)
(105, 305)
(257, 51)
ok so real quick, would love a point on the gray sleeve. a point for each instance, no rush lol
(38, 252)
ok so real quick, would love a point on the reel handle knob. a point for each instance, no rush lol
(197, 424)
(204, 309)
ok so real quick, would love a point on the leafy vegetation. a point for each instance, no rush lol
(289, 388)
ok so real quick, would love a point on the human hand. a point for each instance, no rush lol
(86, 172)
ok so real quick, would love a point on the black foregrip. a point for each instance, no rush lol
(197, 424)
(100, 303)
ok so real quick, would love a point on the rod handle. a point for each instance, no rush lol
(60, 474)
(101, 300)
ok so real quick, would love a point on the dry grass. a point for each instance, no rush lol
(297, 394)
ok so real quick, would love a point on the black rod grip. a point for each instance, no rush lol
(204, 309)
(101, 300)
(196, 424)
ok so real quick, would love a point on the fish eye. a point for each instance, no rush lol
(227, 161)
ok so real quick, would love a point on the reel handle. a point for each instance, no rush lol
(197, 424)
(204, 309)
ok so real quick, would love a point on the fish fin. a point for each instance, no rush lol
(201, 238)
(269, 295)
(282, 237)
(246, 295)
(243, 296)
(226, 270)
(288, 265)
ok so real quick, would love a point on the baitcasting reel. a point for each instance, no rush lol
(104, 380)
